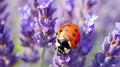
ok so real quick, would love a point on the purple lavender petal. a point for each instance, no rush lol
(2, 62)
(105, 46)
(95, 64)
(27, 42)
(33, 56)
(114, 51)
(45, 23)
(100, 57)
(2, 8)
(112, 62)
(9, 48)
(12, 59)
(85, 47)
(109, 55)
(91, 3)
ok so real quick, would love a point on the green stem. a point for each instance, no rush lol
(43, 56)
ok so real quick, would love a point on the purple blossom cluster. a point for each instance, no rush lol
(44, 24)
(109, 55)
(69, 10)
(7, 57)
(3, 6)
(37, 28)
(88, 27)
(27, 32)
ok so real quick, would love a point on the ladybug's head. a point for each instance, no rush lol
(63, 45)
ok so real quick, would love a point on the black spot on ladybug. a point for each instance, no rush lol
(60, 49)
(76, 30)
(60, 30)
(68, 25)
(76, 41)
(73, 34)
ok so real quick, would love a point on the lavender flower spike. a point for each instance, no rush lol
(69, 9)
(88, 27)
(30, 56)
(66, 60)
(45, 9)
(6, 46)
(109, 55)
(27, 30)
(3, 6)
(44, 25)
(91, 3)
(27, 39)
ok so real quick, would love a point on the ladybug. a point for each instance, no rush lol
(68, 36)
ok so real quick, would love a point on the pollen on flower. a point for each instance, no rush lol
(38, 29)
(44, 17)
(102, 51)
(43, 4)
(108, 54)
(88, 29)
(91, 21)
(113, 42)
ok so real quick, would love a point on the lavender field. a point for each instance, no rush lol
(29, 33)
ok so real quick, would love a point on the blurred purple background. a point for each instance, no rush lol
(107, 10)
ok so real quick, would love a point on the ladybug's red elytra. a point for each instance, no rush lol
(68, 36)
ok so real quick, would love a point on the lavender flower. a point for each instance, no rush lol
(88, 4)
(69, 10)
(91, 3)
(4, 32)
(6, 46)
(86, 8)
(3, 6)
(109, 55)
(12, 59)
(28, 32)
(88, 27)
(2, 62)
(44, 26)
(67, 60)
(30, 56)
(34, 10)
